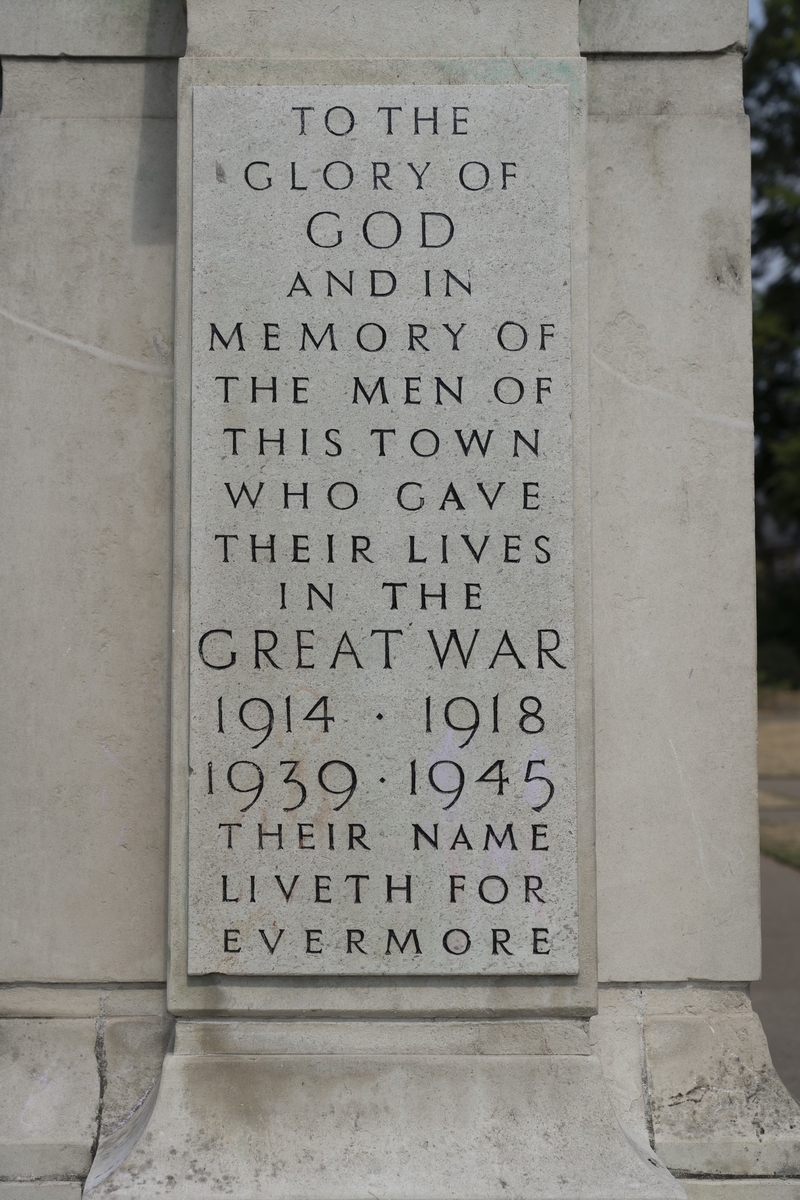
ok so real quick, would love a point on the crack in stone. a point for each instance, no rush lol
(682, 401)
(116, 360)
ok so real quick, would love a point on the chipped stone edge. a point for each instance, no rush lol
(111, 1150)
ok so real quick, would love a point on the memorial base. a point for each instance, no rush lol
(390, 1109)
(688, 1069)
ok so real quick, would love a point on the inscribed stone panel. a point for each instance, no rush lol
(382, 674)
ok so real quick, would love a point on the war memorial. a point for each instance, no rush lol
(379, 705)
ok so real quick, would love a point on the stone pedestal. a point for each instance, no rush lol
(406, 1109)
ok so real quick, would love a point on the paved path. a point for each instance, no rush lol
(776, 998)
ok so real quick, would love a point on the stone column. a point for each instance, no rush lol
(87, 193)
(422, 1083)
(674, 612)
(673, 621)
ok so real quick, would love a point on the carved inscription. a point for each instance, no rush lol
(382, 653)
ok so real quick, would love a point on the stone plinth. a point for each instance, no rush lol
(395, 1109)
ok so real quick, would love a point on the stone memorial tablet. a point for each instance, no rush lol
(382, 674)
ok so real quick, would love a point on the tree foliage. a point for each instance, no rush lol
(772, 99)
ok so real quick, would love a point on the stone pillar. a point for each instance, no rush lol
(443, 1083)
(87, 190)
(675, 699)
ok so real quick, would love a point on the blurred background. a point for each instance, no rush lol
(772, 100)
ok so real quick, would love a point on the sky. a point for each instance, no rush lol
(756, 12)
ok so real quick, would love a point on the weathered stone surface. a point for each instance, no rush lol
(359, 29)
(86, 327)
(742, 1189)
(672, 521)
(405, 1125)
(617, 1040)
(679, 86)
(132, 1054)
(662, 26)
(555, 1036)
(19, 1000)
(431, 997)
(675, 999)
(417, 726)
(688, 1069)
(50, 1099)
(93, 28)
(717, 1105)
(32, 1190)
(93, 91)
(66, 1082)
(114, 1148)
